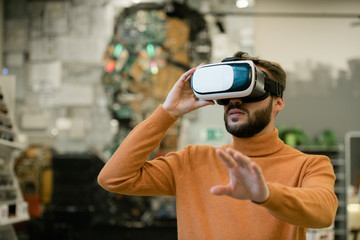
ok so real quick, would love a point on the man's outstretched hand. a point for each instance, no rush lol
(246, 179)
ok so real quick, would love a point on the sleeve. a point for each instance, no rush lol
(129, 172)
(313, 204)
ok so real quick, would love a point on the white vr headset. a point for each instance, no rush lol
(233, 78)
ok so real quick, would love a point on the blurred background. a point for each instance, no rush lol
(78, 75)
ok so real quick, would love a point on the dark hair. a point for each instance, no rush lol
(276, 72)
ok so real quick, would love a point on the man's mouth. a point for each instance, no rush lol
(235, 112)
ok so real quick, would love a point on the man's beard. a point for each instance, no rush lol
(254, 125)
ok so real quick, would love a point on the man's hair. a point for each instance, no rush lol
(276, 72)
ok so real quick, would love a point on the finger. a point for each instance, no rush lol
(256, 169)
(226, 158)
(203, 103)
(220, 190)
(240, 158)
(187, 75)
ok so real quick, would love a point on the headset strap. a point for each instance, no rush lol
(274, 87)
(230, 59)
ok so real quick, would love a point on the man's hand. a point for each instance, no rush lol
(181, 98)
(246, 179)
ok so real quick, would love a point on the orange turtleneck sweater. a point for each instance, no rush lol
(301, 186)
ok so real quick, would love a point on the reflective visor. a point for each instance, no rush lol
(242, 77)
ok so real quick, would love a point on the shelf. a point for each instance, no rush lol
(340, 217)
(338, 162)
(336, 156)
(13, 213)
(342, 204)
(7, 188)
(314, 148)
(13, 145)
(7, 232)
(340, 176)
(340, 232)
(341, 190)
(13, 208)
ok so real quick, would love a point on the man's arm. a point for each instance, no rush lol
(313, 204)
(128, 170)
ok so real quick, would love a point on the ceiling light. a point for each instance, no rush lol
(242, 3)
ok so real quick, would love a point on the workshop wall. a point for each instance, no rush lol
(320, 51)
(317, 43)
(55, 50)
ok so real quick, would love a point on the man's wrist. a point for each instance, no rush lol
(259, 202)
(171, 113)
(266, 197)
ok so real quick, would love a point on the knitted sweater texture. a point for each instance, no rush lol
(301, 186)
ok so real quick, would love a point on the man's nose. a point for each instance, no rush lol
(236, 101)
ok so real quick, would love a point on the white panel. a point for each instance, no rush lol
(14, 59)
(56, 17)
(8, 86)
(43, 49)
(77, 131)
(72, 94)
(90, 50)
(15, 35)
(34, 120)
(45, 76)
(213, 79)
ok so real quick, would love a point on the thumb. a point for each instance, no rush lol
(219, 190)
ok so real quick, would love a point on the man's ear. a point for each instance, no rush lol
(278, 104)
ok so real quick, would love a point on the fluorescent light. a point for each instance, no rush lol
(242, 3)
(352, 207)
(63, 123)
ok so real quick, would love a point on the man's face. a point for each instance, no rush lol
(247, 119)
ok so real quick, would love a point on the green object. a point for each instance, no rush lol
(291, 139)
(215, 134)
(294, 136)
(118, 49)
(327, 138)
(124, 112)
(150, 50)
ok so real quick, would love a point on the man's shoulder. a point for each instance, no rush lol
(303, 153)
(199, 148)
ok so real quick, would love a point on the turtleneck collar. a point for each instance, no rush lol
(259, 145)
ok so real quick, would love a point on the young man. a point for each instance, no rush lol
(253, 188)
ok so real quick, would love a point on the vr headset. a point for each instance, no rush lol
(233, 78)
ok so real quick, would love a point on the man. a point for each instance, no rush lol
(253, 188)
